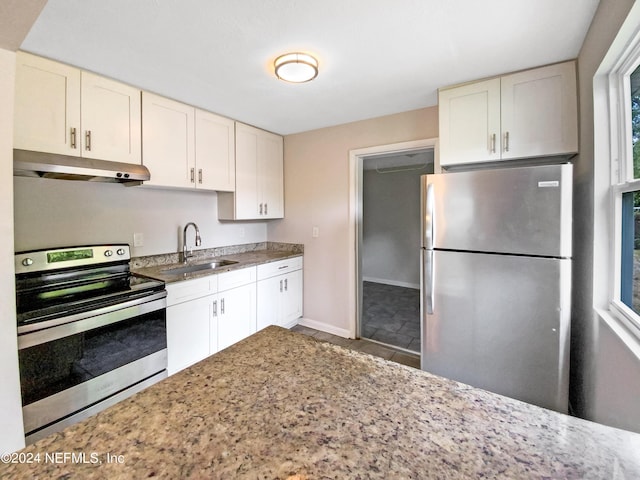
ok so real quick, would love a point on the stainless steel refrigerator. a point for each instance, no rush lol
(496, 280)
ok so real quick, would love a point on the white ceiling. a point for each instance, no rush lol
(376, 57)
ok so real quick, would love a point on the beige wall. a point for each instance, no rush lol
(317, 194)
(62, 212)
(11, 430)
(605, 371)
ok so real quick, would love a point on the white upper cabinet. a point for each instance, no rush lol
(61, 109)
(168, 141)
(470, 122)
(185, 147)
(521, 115)
(540, 112)
(110, 118)
(215, 152)
(259, 177)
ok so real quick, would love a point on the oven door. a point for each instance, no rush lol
(76, 362)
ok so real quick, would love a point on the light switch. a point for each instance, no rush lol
(138, 240)
(315, 232)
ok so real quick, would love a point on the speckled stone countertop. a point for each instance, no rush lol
(247, 255)
(280, 405)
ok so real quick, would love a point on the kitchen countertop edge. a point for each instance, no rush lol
(244, 259)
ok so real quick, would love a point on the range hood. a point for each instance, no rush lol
(64, 167)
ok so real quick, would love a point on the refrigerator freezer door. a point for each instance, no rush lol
(523, 210)
(500, 323)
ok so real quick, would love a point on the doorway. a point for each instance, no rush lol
(386, 196)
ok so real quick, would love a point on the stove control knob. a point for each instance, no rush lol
(120, 251)
(27, 262)
(108, 253)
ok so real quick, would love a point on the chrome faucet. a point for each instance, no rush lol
(185, 254)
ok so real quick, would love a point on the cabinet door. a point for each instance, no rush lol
(246, 196)
(168, 141)
(110, 114)
(470, 123)
(236, 315)
(270, 175)
(188, 333)
(269, 291)
(47, 106)
(215, 152)
(291, 307)
(539, 112)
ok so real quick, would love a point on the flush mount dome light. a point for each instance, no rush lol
(296, 67)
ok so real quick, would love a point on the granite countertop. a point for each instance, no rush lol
(280, 405)
(155, 266)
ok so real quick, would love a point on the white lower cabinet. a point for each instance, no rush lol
(236, 315)
(208, 314)
(279, 293)
(188, 333)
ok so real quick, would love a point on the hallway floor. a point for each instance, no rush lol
(391, 315)
(388, 353)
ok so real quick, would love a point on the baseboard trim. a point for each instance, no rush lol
(324, 327)
(394, 283)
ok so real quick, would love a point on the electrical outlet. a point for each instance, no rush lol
(138, 240)
(315, 232)
(241, 232)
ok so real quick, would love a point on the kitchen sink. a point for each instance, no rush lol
(199, 267)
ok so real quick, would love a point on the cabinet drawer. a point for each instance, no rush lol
(236, 278)
(277, 268)
(191, 289)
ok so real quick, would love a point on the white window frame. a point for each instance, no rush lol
(622, 181)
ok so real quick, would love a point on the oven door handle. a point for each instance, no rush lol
(71, 325)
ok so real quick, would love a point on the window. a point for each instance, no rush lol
(626, 190)
(630, 209)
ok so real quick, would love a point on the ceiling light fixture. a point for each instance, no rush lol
(296, 67)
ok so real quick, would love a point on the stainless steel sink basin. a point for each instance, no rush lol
(199, 267)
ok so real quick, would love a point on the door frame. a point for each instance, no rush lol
(356, 159)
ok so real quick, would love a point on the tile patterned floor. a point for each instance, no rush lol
(361, 345)
(391, 315)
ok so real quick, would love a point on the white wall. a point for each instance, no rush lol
(62, 213)
(605, 372)
(391, 227)
(317, 194)
(11, 429)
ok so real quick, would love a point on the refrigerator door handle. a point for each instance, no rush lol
(428, 282)
(429, 220)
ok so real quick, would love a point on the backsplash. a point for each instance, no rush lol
(205, 253)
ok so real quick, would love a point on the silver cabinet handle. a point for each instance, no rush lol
(280, 286)
(200, 175)
(222, 306)
(265, 208)
(215, 308)
(73, 138)
(260, 209)
(429, 281)
(492, 143)
(193, 175)
(286, 284)
(506, 141)
(87, 140)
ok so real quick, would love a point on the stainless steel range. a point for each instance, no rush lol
(90, 333)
